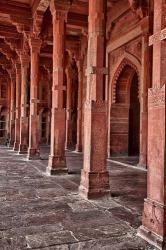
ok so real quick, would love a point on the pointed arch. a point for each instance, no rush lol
(125, 60)
(125, 73)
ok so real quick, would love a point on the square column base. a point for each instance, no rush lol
(16, 146)
(11, 143)
(143, 166)
(94, 184)
(78, 148)
(142, 161)
(152, 238)
(153, 223)
(23, 149)
(33, 154)
(56, 165)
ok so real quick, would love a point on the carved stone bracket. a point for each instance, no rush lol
(35, 44)
(37, 22)
(60, 10)
(139, 7)
(23, 25)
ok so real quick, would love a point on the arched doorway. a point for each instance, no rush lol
(74, 102)
(134, 118)
(125, 114)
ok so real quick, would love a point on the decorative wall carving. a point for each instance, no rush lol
(133, 48)
(117, 75)
(156, 97)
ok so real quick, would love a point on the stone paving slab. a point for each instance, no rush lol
(42, 212)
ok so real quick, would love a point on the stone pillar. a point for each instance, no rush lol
(84, 95)
(18, 110)
(57, 163)
(94, 176)
(79, 105)
(33, 150)
(68, 144)
(153, 227)
(12, 110)
(24, 133)
(145, 84)
(9, 108)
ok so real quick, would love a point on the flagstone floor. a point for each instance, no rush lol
(42, 212)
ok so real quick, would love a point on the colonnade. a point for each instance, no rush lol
(92, 136)
(92, 132)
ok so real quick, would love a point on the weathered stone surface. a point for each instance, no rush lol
(44, 240)
(41, 212)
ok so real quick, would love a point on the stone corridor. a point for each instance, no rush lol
(43, 212)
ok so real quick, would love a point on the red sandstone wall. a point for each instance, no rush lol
(127, 53)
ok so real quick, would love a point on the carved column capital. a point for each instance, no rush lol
(18, 68)
(37, 22)
(60, 10)
(12, 77)
(24, 58)
(35, 44)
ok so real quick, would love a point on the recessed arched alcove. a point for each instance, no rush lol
(125, 113)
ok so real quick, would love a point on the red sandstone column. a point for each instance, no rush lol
(94, 176)
(57, 163)
(18, 102)
(79, 106)
(9, 108)
(12, 110)
(24, 133)
(153, 227)
(84, 96)
(33, 150)
(145, 84)
(68, 144)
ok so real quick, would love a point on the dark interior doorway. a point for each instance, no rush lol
(134, 118)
